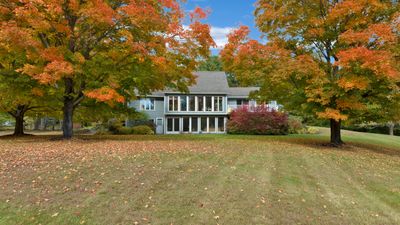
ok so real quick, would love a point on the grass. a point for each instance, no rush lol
(207, 179)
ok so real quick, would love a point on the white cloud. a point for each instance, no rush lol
(219, 35)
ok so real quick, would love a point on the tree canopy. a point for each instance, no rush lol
(330, 58)
(108, 50)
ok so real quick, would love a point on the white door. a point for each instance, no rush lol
(159, 125)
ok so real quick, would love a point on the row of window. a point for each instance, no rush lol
(191, 103)
(196, 124)
(195, 103)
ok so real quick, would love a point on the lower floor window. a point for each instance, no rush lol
(196, 124)
(173, 125)
(186, 124)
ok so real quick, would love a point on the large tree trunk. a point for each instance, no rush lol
(68, 109)
(391, 128)
(336, 136)
(19, 125)
(19, 115)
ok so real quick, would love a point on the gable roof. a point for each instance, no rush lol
(212, 83)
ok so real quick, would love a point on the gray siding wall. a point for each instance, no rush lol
(159, 108)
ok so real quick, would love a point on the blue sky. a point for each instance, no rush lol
(225, 16)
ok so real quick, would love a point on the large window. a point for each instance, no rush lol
(200, 103)
(195, 126)
(208, 103)
(211, 125)
(221, 124)
(173, 125)
(147, 104)
(218, 104)
(173, 103)
(186, 124)
(192, 103)
(204, 124)
(183, 103)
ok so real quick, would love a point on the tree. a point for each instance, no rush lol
(108, 50)
(211, 64)
(19, 94)
(329, 58)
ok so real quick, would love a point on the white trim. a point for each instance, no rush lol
(212, 103)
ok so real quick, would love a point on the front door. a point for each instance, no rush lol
(159, 125)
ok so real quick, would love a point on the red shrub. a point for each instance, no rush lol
(259, 120)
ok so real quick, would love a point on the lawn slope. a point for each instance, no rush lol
(200, 180)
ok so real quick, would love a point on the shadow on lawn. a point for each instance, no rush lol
(350, 146)
(315, 142)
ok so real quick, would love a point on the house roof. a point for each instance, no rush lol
(241, 91)
(212, 83)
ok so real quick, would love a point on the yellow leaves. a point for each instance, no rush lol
(37, 92)
(350, 103)
(79, 57)
(353, 82)
(330, 113)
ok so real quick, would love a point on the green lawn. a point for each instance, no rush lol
(206, 179)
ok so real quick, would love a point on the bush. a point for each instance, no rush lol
(261, 120)
(142, 130)
(137, 130)
(295, 125)
(124, 131)
(148, 123)
(114, 126)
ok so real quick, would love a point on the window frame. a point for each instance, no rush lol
(144, 102)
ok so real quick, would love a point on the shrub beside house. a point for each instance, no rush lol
(259, 120)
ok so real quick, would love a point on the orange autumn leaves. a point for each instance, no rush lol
(61, 40)
(105, 94)
(329, 54)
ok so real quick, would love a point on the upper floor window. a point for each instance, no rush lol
(173, 104)
(183, 103)
(208, 103)
(218, 104)
(147, 104)
(193, 103)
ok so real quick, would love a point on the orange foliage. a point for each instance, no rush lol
(198, 13)
(105, 94)
(350, 103)
(379, 61)
(378, 33)
(353, 82)
(330, 113)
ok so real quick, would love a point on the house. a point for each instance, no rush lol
(204, 109)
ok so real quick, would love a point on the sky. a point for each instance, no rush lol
(225, 16)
